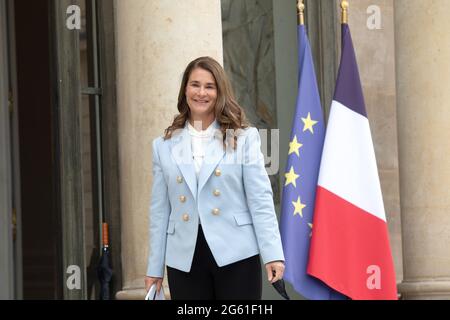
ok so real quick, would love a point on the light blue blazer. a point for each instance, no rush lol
(232, 199)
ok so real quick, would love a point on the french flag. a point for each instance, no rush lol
(350, 248)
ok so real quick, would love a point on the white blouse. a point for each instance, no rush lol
(199, 142)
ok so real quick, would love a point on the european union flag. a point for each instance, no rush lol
(305, 151)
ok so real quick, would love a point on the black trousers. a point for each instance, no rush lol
(207, 281)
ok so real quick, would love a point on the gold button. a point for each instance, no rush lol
(216, 192)
(180, 179)
(185, 217)
(218, 172)
(182, 198)
(216, 212)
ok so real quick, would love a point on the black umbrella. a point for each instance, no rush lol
(104, 271)
(281, 288)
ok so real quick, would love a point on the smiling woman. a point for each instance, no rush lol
(206, 94)
(201, 96)
(211, 219)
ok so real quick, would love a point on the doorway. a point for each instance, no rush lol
(58, 121)
(35, 184)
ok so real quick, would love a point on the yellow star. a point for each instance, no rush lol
(299, 206)
(291, 177)
(294, 146)
(309, 123)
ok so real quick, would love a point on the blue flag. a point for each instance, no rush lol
(302, 169)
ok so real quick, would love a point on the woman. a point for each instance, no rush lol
(212, 212)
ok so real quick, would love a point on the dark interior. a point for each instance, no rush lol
(40, 235)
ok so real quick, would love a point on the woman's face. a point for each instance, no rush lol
(201, 93)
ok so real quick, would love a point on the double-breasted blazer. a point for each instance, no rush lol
(232, 199)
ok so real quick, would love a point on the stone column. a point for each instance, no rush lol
(423, 103)
(156, 39)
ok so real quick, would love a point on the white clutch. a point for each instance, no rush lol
(153, 295)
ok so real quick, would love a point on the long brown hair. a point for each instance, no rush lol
(228, 113)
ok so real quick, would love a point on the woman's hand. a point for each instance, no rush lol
(149, 281)
(275, 271)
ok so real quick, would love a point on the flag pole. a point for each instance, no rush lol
(344, 7)
(301, 12)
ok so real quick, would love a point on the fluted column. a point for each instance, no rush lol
(155, 41)
(423, 78)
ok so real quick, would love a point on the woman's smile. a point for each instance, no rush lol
(201, 94)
